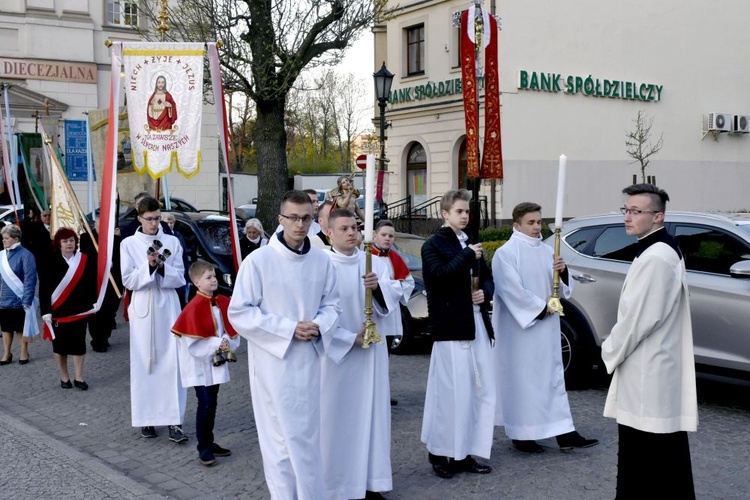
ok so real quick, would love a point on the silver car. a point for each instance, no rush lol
(716, 249)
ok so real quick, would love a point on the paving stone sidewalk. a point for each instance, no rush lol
(76, 444)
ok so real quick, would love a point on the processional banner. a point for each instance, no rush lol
(164, 88)
(479, 58)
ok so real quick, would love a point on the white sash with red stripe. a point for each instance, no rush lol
(30, 324)
(76, 265)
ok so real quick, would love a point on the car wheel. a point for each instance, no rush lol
(403, 344)
(573, 354)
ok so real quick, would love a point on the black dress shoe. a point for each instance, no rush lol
(98, 348)
(571, 440)
(443, 466)
(23, 361)
(527, 446)
(444, 471)
(373, 495)
(7, 361)
(469, 464)
(81, 385)
(66, 385)
(394, 402)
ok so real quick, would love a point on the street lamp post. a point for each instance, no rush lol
(383, 81)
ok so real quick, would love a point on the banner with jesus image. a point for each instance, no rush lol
(164, 85)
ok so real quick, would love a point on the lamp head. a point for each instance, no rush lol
(383, 81)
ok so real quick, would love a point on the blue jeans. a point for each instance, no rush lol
(206, 414)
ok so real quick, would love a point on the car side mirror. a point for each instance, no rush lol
(740, 269)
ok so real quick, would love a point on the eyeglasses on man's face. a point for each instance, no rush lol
(151, 219)
(294, 219)
(633, 211)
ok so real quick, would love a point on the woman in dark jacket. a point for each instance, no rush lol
(67, 290)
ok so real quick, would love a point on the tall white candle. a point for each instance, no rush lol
(560, 191)
(369, 198)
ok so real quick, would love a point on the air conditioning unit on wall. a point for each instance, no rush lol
(741, 124)
(720, 122)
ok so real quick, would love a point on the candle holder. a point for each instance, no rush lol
(554, 301)
(371, 332)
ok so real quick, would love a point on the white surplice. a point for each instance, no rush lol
(157, 396)
(391, 324)
(650, 349)
(197, 353)
(532, 402)
(356, 397)
(275, 288)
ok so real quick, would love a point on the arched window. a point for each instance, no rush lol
(416, 174)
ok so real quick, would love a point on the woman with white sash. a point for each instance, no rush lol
(17, 285)
(67, 295)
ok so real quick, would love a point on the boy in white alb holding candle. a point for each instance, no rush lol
(531, 399)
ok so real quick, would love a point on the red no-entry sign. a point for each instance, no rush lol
(361, 161)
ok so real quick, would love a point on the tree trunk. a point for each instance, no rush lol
(270, 148)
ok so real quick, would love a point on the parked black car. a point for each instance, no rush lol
(207, 237)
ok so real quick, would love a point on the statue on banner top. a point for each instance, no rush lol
(161, 113)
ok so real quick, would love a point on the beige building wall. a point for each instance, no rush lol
(667, 44)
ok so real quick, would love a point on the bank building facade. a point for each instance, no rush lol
(573, 78)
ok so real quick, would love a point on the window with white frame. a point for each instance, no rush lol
(122, 13)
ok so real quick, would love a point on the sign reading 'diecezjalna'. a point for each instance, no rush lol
(589, 86)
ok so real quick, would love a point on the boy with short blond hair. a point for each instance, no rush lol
(207, 340)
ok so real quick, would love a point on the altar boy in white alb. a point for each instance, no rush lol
(355, 398)
(531, 399)
(152, 271)
(285, 299)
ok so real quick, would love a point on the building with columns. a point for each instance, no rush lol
(573, 77)
(53, 57)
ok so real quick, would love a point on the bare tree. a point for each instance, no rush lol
(350, 104)
(266, 44)
(638, 144)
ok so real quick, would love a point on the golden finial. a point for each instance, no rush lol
(164, 17)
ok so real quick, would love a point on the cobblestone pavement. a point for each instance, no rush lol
(72, 444)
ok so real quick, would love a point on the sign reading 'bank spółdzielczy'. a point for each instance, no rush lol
(589, 86)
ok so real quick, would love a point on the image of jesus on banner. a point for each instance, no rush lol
(162, 109)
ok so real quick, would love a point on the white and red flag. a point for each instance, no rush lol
(218, 88)
(164, 88)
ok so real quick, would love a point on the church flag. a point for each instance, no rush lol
(479, 60)
(108, 182)
(218, 88)
(164, 89)
(6, 138)
(63, 210)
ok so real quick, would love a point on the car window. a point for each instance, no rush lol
(614, 243)
(410, 250)
(191, 239)
(217, 236)
(579, 240)
(708, 249)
